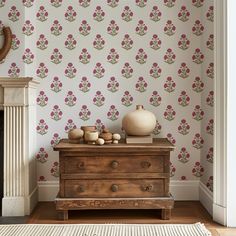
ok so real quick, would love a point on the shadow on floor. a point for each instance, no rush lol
(13, 220)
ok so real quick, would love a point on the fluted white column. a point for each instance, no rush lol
(20, 189)
(13, 155)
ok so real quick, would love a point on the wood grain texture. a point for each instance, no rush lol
(165, 214)
(114, 203)
(188, 212)
(160, 144)
(106, 163)
(115, 188)
(116, 176)
(119, 176)
(62, 215)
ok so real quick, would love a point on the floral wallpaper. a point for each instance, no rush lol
(207, 123)
(97, 59)
(13, 17)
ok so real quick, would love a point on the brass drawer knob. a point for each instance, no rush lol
(81, 189)
(114, 164)
(146, 164)
(114, 188)
(147, 187)
(81, 165)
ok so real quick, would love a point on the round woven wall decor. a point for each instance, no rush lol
(7, 42)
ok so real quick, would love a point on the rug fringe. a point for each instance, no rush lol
(109, 229)
(203, 228)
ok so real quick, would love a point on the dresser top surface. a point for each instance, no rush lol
(158, 144)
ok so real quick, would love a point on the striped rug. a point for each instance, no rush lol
(197, 229)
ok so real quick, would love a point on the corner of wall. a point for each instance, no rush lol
(206, 197)
(205, 194)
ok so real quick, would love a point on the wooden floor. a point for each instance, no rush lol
(183, 213)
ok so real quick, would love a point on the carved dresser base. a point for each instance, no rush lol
(63, 205)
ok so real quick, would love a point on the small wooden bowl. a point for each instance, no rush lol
(106, 136)
(88, 128)
(75, 134)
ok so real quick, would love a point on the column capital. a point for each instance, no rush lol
(18, 91)
(22, 82)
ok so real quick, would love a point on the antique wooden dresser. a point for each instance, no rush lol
(114, 176)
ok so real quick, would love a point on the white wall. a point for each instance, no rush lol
(231, 129)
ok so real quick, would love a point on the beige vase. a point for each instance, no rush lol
(139, 122)
(91, 136)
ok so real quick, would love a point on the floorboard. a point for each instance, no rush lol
(184, 212)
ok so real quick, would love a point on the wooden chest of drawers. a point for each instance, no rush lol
(115, 176)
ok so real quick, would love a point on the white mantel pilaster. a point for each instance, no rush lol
(17, 98)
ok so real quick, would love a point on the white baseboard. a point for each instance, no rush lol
(181, 190)
(21, 205)
(48, 190)
(206, 197)
(32, 201)
(185, 190)
(13, 206)
(219, 214)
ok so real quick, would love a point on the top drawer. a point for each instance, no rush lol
(129, 164)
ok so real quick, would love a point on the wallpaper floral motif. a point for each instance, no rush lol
(97, 59)
(207, 122)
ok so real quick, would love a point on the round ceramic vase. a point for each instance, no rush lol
(139, 122)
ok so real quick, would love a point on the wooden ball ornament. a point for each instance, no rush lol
(100, 141)
(116, 137)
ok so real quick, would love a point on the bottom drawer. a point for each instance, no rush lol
(115, 188)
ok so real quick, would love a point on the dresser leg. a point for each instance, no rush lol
(63, 215)
(165, 214)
